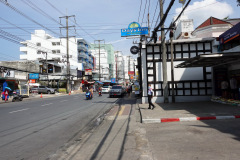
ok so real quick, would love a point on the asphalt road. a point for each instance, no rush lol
(36, 129)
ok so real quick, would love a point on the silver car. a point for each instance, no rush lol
(43, 89)
(116, 90)
(106, 89)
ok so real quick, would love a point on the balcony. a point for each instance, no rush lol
(90, 59)
(23, 56)
(23, 49)
(82, 48)
(82, 55)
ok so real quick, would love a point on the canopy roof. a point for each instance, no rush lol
(210, 60)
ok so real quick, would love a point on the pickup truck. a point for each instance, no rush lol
(43, 89)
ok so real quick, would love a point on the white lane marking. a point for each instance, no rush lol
(46, 104)
(19, 110)
(63, 100)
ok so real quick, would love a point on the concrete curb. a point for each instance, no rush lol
(184, 119)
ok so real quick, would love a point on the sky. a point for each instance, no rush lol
(95, 19)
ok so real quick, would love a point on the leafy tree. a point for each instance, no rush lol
(238, 1)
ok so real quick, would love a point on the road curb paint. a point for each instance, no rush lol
(184, 119)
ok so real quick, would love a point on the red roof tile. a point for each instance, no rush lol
(212, 21)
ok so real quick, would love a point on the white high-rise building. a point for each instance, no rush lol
(43, 46)
(104, 66)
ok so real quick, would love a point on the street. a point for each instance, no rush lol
(70, 127)
(36, 129)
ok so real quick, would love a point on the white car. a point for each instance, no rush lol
(106, 89)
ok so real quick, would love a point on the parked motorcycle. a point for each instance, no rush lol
(100, 93)
(17, 97)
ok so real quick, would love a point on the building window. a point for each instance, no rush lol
(38, 44)
(58, 51)
(56, 43)
(53, 51)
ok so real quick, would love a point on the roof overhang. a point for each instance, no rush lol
(211, 60)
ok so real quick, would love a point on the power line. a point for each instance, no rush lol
(162, 19)
(140, 11)
(54, 7)
(70, 20)
(35, 8)
(24, 15)
(144, 12)
(7, 55)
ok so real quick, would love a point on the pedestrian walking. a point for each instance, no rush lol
(150, 95)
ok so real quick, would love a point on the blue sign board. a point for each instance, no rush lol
(113, 80)
(33, 76)
(230, 34)
(134, 29)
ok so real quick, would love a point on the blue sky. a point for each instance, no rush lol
(97, 19)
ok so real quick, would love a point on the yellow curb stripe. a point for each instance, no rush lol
(121, 110)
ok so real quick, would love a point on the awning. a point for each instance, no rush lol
(87, 82)
(210, 60)
(99, 82)
(230, 34)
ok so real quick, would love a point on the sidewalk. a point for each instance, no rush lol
(188, 111)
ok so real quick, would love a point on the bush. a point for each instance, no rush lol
(62, 90)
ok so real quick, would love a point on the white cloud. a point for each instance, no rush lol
(201, 10)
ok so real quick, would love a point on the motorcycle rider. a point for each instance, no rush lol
(91, 91)
(100, 91)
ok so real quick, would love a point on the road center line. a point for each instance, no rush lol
(19, 110)
(46, 104)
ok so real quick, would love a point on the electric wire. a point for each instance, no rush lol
(27, 17)
(37, 9)
(179, 15)
(54, 7)
(140, 11)
(144, 12)
(8, 55)
(70, 20)
(162, 19)
(154, 14)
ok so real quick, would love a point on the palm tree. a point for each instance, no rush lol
(238, 1)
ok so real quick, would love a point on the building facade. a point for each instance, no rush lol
(51, 52)
(194, 75)
(109, 50)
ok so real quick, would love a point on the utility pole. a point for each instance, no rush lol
(47, 68)
(164, 56)
(128, 67)
(116, 66)
(67, 43)
(99, 47)
(172, 68)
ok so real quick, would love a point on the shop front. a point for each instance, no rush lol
(225, 74)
